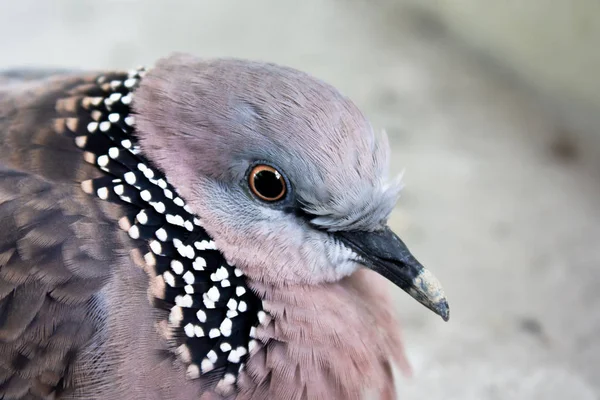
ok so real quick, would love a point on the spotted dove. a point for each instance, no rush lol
(207, 229)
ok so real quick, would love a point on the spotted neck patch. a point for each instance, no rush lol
(212, 314)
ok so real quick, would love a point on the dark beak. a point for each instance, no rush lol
(384, 253)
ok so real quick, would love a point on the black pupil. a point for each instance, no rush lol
(268, 184)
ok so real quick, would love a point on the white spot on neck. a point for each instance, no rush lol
(189, 330)
(176, 315)
(92, 126)
(205, 245)
(189, 278)
(104, 126)
(103, 160)
(232, 304)
(253, 344)
(134, 232)
(148, 173)
(146, 195)
(212, 356)
(213, 294)
(199, 264)
(159, 207)
(103, 193)
(208, 303)
(130, 177)
(142, 217)
(169, 278)
(201, 315)
(177, 266)
(184, 301)
(161, 234)
(193, 372)
(220, 274)
(206, 366)
(262, 317)
(129, 83)
(225, 347)
(156, 247)
(226, 325)
(198, 331)
(236, 355)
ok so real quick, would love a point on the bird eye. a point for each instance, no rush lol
(267, 183)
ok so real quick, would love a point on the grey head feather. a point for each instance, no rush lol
(232, 112)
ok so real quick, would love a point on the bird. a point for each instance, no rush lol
(206, 228)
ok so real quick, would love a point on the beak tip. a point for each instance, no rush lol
(440, 307)
(443, 310)
(427, 289)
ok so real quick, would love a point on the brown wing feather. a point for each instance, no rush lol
(58, 245)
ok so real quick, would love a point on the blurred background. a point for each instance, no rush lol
(493, 111)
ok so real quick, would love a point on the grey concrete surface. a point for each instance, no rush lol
(498, 202)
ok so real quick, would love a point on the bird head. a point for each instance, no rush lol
(286, 174)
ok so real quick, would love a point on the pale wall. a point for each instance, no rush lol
(553, 45)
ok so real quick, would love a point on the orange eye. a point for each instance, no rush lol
(267, 183)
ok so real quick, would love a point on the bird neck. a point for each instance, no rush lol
(329, 341)
(204, 304)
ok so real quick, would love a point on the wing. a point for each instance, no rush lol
(58, 245)
(63, 328)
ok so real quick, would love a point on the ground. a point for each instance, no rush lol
(497, 202)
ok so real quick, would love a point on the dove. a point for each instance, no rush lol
(203, 229)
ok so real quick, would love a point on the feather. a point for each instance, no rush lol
(134, 262)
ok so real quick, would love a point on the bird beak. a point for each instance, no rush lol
(384, 252)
